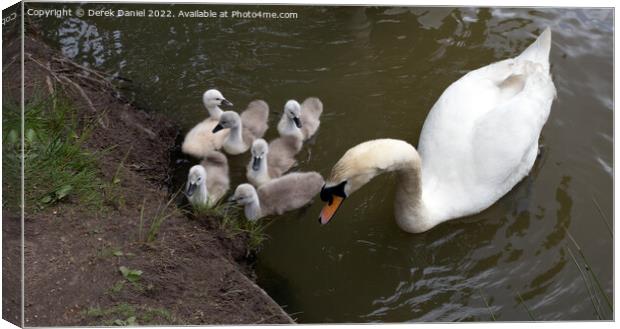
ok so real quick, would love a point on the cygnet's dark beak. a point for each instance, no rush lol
(256, 163)
(297, 122)
(225, 102)
(217, 128)
(190, 189)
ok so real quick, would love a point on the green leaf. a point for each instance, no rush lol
(119, 322)
(63, 191)
(117, 253)
(46, 199)
(130, 275)
(134, 276)
(131, 321)
(12, 137)
(30, 135)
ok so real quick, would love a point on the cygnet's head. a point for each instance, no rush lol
(259, 150)
(214, 98)
(228, 120)
(196, 177)
(244, 194)
(292, 110)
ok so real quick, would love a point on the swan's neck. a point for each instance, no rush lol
(234, 143)
(201, 196)
(261, 176)
(409, 208)
(287, 127)
(252, 209)
(214, 112)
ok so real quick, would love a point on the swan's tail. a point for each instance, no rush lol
(538, 52)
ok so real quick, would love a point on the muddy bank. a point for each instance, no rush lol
(107, 266)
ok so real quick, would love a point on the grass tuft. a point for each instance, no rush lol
(57, 167)
(232, 220)
(593, 298)
(593, 278)
(161, 215)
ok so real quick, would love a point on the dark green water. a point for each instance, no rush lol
(378, 71)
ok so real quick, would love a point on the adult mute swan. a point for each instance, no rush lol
(200, 139)
(479, 139)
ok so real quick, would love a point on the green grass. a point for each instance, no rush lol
(527, 309)
(117, 287)
(590, 279)
(231, 220)
(486, 303)
(161, 215)
(125, 314)
(603, 217)
(57, 166)
(585, 281)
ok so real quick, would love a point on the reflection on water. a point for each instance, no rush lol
(378, 71)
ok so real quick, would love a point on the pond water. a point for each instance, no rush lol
(378, 71)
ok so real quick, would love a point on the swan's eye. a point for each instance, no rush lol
(326, 196)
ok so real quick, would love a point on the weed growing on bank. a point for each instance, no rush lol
(56, 165)
(231, 220)
(124, 314)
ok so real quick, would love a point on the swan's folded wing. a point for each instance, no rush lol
(478, 139)
(282, 153)
(311, 110)
(505, 141)
(255, 117)
(200, 139)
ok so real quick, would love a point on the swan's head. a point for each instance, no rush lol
(244, 194)
(228, 120)
(292, 110)
(213, 98)
(196, 177)
(358, 166)
(259, 150)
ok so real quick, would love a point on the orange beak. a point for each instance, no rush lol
(330, 209)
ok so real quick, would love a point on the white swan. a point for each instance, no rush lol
(200, 139)
(271, 160)
(479, 139)
(244, 129)
(289, 192)
(208, 182)
(301, 121)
